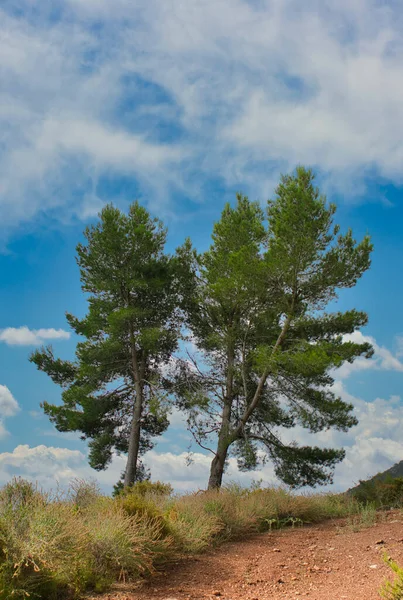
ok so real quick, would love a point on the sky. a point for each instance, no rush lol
(181, 105)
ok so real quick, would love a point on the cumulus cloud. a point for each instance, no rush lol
(173, 95)
(383, 359)
(44, 464)
(51, 466)
(9, 407)
(8, 404)
(23, 336)
(372, 446)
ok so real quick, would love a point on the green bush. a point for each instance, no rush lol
(192, 527)
(17, 493)
(141, 506)
(52, 548)
(44, 550)
(393, 590)
(147, 488)
(122, 546)
(365, 516)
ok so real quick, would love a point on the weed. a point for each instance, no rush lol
(365, 517)
(393, 590)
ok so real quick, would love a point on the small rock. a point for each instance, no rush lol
(373, 566)
(280, 580)
(216, 593)
(380, 542)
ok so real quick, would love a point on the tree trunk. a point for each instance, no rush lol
(217, 469)
(218, 462)
(134, 439)
(135, 429)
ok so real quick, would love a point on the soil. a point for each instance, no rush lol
(323, 562)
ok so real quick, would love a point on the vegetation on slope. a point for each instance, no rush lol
(384, 490)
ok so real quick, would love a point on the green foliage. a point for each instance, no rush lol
(393, 590)
(366, 516)
(113, 393)
(383, 492)
(146, 499)
(266, 348)
(148, 488)
(122, 545)
(36, 537)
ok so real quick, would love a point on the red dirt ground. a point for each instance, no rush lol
(324, 562)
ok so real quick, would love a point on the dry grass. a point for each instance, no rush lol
(58, 547)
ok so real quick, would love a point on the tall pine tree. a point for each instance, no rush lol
(266, 345)
(113, 391)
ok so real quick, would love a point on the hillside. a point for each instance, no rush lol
(395, 471)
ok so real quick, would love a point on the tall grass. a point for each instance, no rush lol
(58, 546)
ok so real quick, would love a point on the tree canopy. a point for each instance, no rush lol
(266, 347)
(113, 391)
(256, 305)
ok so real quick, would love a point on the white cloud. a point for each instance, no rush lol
(382, 360)
(8, 404)
(250, 88)
(50, 466)
(44, 464)
(372, 446)
(9, 407)
(23, 336)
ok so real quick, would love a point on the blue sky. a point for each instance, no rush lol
(180, 105)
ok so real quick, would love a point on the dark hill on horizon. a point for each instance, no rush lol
(393, 472)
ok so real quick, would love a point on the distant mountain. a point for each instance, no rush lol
(395, 471)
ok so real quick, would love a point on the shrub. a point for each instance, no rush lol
(122, 546)
(147, 488)
(17, 493)
(393, 590)
(84, 492)
(140, 506)
(192, 527)
(44, 550)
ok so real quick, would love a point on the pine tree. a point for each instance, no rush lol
(113, 390)
(266, 345)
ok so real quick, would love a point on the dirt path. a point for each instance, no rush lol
(326, 562)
